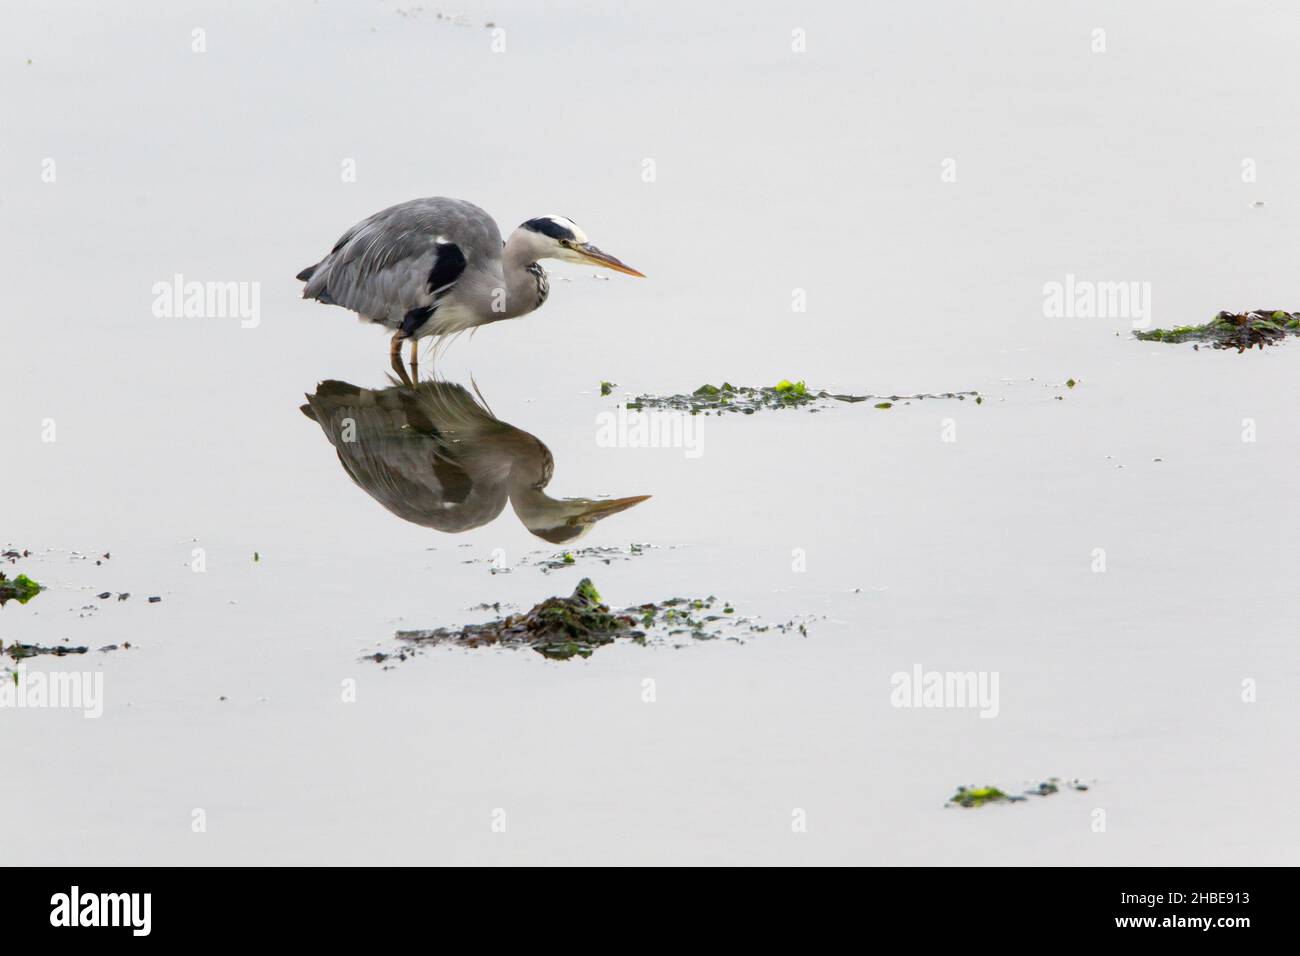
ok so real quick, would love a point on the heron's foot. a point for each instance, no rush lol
(395, 357)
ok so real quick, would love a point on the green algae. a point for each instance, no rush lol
(978, 796)
(1232, 330)
(21, 589)
(969, 797)
(785, 394)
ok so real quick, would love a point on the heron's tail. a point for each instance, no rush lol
(315, 278)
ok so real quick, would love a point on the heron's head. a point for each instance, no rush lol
(555, 237)
(561, 520)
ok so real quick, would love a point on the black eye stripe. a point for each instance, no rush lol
(549, 227)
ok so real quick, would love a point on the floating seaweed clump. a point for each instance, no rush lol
(19, 651)
(548, 561)
(568, 559)
(978, 796)
(719, 399)
(1229, 330)
(561, 628)
(21, 589)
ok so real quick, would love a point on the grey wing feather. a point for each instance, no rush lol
(381, 266)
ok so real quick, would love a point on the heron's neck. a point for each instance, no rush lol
(526, 282)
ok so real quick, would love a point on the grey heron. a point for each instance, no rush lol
(435, 455)
(433, 267)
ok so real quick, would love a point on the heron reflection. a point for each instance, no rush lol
(435, 455)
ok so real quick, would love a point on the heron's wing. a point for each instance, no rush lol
(404, 258)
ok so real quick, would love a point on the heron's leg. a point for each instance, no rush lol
(395, 357)
(415, 359)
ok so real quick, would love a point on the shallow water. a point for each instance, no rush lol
(775, 171)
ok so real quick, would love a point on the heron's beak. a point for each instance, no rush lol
(593, 255)
(603, 509)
